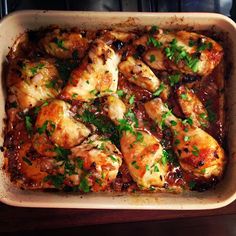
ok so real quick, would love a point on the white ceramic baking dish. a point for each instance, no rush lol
(225, 192)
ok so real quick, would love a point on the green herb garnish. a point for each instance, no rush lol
(83, 186)
(174, 79)
(131, 99)
(135, 165)
(26, 160)
(159, 90)
(152, 58)
(154, 42)
(57, 180)
(195, 151)
(28, 124)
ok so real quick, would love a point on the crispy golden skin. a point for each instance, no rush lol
(56, 120)
(96, 76)
(143, 159)
(197, 151)
(33, 82)
(192, 107)
(101, 159)
(64, 45)
(209, 53)
(139, 73)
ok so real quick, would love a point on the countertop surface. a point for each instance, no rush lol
(14, 219)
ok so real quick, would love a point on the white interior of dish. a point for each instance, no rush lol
(225, 192)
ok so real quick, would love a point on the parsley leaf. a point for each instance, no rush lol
(154, 42)
(135, 165)
(153, 30)
(174, 79)
(120, 93)
(26, 160)
(195, 151)
(188, 121)
(28, 124)
(83, 186)
(131, 99)
(152, 58)
(80, 162)
(60, 43)
(159, 90)
(164, 158)
(57, 180)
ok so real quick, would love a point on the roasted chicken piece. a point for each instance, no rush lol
(96, 76)
(56, 121)
(191, 53)
(116, 108)
(100, 160)
(32, 82)
(197, 151)
(117, 37)
(139, 73)
(144, 159)
(192, 107)
(65, 45)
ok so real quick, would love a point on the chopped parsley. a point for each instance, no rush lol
(44, 128)
(75, 55)
(174, 79)
(184, 96)
(211, 114)
(139, 137)
(152, 58)
(125, 126)
(103, 124)
(74, 95)
(204, 46)
(52, 84)
(176, 142)
(13, 105)
(195, 151)
(113, 158)
(61, 152)
(37, 109)
(192, 184)
(154, 42)
(135, 165)
(203, 116)
(164, 116)
(156, 169)
(80, 163)
(153, 29)
(164, 157)
(27, 160)
(131, 99)
(188, 120)
(35, 69)
(147, 168)
(173, 123)
(28, 124)
(159, 90)
(191, 43)
(56, 180)
(83, 186)
(132, 117)
(60, 43)
(186, 138)
(177, 53)
(120, 93)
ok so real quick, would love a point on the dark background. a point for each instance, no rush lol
(26, 221)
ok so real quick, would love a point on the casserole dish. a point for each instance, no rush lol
(224, 192)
